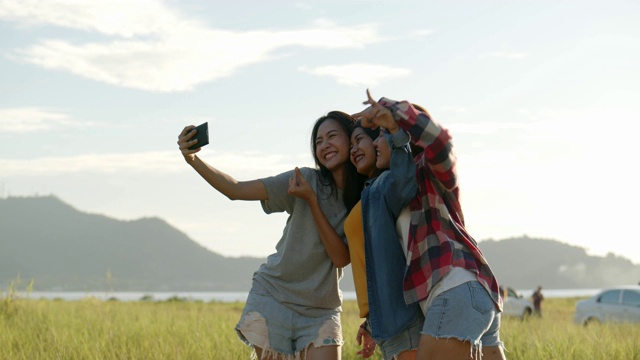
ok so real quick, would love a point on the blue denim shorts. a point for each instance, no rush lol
(406, 340)
(465, 312)
(279, 330)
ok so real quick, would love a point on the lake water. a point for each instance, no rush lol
(226, 296)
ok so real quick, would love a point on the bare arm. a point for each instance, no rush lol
(376, 116)
(225, 184)
(401, 178)
(431, 136)
(336, 249)
(424, 132)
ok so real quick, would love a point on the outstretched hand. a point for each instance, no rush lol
(368, 345)
(376, 116)
(185, 141)
(299, 187)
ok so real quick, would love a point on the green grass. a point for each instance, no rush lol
(555, 336)
(93, 329)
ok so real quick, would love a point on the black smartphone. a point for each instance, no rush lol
(202, 135)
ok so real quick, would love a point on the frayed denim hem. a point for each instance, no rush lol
(475, 348)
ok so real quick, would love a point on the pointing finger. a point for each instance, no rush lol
(370, 98)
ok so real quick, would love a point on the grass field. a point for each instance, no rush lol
(92, 329)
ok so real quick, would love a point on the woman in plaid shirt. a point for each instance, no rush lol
(446, 272)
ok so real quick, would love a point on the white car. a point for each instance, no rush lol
(514, 305)
(617, 304)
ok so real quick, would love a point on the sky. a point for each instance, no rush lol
(542, 99)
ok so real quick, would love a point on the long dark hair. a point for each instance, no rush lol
(354, 182)
(373, 133)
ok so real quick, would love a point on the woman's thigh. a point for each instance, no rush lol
(276, 332)
(460, 322)
(333, 352)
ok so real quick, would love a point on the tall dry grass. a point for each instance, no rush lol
(94, 329)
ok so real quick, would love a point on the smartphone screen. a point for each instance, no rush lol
(202, 135)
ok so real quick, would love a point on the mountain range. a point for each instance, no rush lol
(62, 248)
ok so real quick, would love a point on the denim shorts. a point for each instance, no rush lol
(406, 340)
(465, 312)
(279, 330)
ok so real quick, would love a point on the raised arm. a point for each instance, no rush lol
(402, 173)
(336, 249)
(225, 184)
(428, 134)
(401, 177)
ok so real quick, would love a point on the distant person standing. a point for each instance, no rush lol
(537, 298)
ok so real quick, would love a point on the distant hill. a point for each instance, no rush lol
(66, 249)
(525, 263)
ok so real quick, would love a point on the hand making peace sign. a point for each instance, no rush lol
(376, 116)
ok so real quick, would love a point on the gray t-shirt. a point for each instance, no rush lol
(300, 274)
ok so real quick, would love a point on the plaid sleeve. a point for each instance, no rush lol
(428, 134)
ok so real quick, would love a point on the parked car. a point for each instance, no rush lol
(514, 304)
(616, 304)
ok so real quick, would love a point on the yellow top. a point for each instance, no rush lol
(355, 237)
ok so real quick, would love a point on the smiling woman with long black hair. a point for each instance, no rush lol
(293, 308)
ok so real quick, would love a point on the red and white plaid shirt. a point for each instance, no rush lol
(438, 240)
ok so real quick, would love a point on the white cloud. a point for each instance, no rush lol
(24, 120)
(145, 162)
(111, 17)
(358, 74)
(153, 48)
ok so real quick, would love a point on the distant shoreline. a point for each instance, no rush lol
(229, 296)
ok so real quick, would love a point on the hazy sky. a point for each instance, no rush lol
(542, 99)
